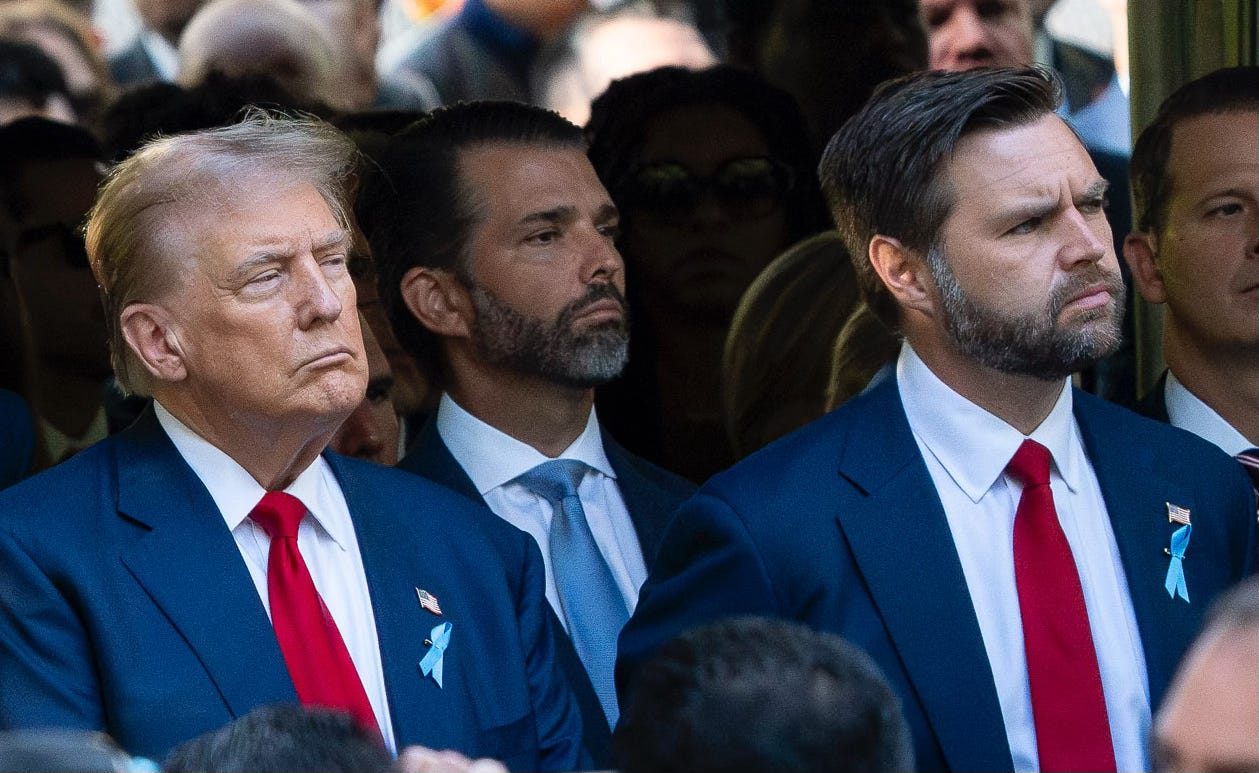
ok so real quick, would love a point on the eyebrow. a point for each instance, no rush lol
(568, 212)
(1097, 188)
(554, 215)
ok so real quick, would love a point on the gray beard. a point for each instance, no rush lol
(557, 352)
(1033, 344)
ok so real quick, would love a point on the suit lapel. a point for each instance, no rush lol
(189, 564)
(397, 562)
(1136, 492)
(649, 506)
(902, 544)
(431, 458)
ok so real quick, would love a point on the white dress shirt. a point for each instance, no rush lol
(1186, 411)
(326, 540)
(494, 459)
(966, 450)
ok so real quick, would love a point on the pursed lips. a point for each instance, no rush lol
(328, 358)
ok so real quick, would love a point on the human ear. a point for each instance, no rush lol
(903, 272)
(1140, 250)
(154, 340)
(438, 300)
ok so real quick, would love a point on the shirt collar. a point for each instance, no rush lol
(971, 444)
(61, 446)
(1186, 411)
(492, 457)
(234, 490)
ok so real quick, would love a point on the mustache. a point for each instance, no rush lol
(1095, 275)
(595, 293)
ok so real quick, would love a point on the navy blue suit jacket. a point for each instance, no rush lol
(839, 526)
(651, 496)
(17, 438)
(125, 606)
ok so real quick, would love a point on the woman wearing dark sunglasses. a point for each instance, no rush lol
(713, 172)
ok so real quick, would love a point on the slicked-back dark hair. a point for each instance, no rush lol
(415, 209)
(754, 694)
(1229, 90)
(882, 173)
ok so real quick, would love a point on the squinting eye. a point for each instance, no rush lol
(1232, 208)
(1025, 227)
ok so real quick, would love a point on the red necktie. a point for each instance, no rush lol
(1069, 708)
(313, 650)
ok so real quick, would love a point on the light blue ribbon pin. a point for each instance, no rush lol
(1175, 582)
(432, 662)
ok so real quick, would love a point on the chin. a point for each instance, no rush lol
(339, 394)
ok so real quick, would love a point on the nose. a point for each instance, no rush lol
(968, 33)
(1087, 239)
(360, 436)
(601, 260)
(708, 213)
(319, 295)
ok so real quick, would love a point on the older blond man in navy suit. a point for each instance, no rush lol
(214, 557)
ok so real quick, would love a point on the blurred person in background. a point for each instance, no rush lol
(31, 84)
(49, 172)
(604, 46)
(713, 174)
(1210, 718)
(776, 365)
(488, 49)
(66, 35)
(828, 54)
(354, 28)
(280, 39)
(755, 695)
(371, 431)
(153, 55)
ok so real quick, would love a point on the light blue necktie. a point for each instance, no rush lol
(591, 603)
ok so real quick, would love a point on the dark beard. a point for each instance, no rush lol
(1033, 344)
(557, 351)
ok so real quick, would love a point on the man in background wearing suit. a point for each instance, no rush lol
(211, 559)
(494, 243)
(1013, 553)
(1195, 176)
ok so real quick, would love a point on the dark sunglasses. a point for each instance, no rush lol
(73, 249)
(746, 188)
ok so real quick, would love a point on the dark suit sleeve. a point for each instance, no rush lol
(46, 673)
(558, 720)
(709, 567)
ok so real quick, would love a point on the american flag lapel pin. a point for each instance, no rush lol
(1177, 514)
(1175, 582)
(428, 601)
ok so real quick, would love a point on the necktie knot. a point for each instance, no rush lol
(1030, 464)
(555, 480)
(279, 514)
